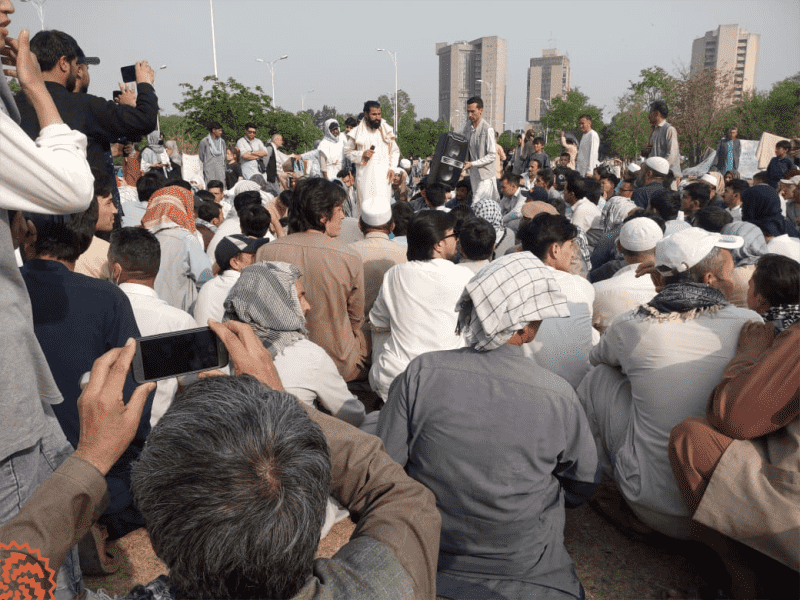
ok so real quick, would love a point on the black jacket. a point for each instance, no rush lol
(102, 121)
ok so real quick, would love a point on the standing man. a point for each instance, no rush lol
(664, 139)
(251, 149)
(482, 152)
(212, 154)
(728, 151)
(371, 146)
(589, 147)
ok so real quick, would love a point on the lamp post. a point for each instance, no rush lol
(491, 97)
(393, 56)
(546, 128)
(213, 38)
(303, 99)
(272, 72)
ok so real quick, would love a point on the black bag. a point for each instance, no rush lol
(448, 160)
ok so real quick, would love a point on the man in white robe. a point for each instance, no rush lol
(371, 145)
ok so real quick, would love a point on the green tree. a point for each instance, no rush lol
(406, 109)
(233, 104)
(563, 115)
(320, 116)
(776, 112)
(420, 139)
(508, 140)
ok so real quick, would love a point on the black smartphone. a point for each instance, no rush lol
(116, 94)
(175, 354)
(128, 73)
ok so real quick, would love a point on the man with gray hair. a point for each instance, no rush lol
(502, 508)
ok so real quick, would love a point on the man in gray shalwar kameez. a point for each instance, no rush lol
(501, 442)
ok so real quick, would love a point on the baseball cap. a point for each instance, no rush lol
(85, 60)
(231, 245)
(640, 234)
(658, 164)
(683, 249)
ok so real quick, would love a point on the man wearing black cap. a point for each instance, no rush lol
(102, 121)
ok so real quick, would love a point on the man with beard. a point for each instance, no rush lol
(371, 146)
(100, 120)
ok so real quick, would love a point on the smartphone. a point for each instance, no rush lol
(116, 94)
(175, 354)
(128, 73)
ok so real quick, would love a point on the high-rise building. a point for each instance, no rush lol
(548, 77)
(730, 47)
(476, 68)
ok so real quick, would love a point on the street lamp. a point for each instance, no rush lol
(272, 72)
(393, 56)
(303, 99)
(546, 128)
(491, 109)
(213, 38)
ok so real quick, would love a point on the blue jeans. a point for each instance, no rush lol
(20, 475)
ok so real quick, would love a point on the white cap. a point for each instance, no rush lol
(683, 249)
(658, 164)
(634, 168)
(709, 178)
(640, 234)
(405, 163)
(378, 217)
(793, 181)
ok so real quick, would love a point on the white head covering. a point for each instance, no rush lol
(326, 130)
(506, 295)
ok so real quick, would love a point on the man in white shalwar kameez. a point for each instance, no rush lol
(372, 147)
(482, 152)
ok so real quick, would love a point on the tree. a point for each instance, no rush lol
(406, 108)
(420, 139)
(507, 140)
(233, 105)
(777, 112)
(320, 116)
(563, 115)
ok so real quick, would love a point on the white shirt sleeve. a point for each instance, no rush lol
(50, 175)
(350, 150)
(594, 150)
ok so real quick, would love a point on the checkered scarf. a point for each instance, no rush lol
(506, 295)
(265, 297)
(168, 206)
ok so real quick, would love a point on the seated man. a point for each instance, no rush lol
(562, 345)
(233, 484)
(656, 365)
(415, 308)
(513, 199)
(134, 257)
(76, 319)
(624, 291)
(476, 243)
(750, 430)
(502, 506)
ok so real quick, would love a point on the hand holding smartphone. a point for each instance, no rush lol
(176, 354)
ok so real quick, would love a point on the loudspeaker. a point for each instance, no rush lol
(448, 160)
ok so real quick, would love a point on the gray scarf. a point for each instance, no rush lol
(685, 299)
(216, 146)
(265, 297)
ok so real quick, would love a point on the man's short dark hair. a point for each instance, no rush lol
(214, 125)
(592, 189)
(201, 196)
(609, 176)
(314, 199)
(208, 211)
(547, 176)
(426, 230)
(535, 160)
(661, 107)
(576, 184)
(737, 185)
(785, 144)
(342, 174)
(477, 237)
(136, 250)
(667, 204)
(103, 184)
(250, 126)
(49, 45)
(232, 485)
(586, 116)
(350, 122)
(475, 100)
(512, 179)
(777, 279)
(215, 183)
(402, 213)
(464, 184)
(700, 192)
(544, 230)
(436, 194)
(62, 237)
(761, 177)
(243, 199)
(370, 104)
(148, 184)
(565, 155)
(712, 218)
(538, 140)
(254, 220)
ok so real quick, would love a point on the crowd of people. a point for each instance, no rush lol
(452, 367)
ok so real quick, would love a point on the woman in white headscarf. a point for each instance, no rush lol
(155, 156)
(331, 150)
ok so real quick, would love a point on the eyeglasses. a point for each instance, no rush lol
(251, 131)
(453, 235)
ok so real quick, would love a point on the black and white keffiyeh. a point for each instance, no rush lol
(265, 297)
(782, 316)
(506, 295)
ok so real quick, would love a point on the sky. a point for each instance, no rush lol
(331, 46)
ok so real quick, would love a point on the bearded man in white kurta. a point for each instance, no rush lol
(372, 147)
